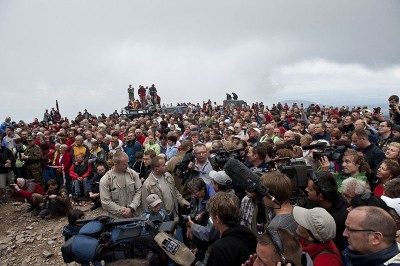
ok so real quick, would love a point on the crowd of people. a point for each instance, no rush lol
(167, 167)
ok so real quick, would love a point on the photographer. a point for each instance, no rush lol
(56, 201)
(354, 165)
(180, 157)
(28, 190)
(394, 109)
(198, 214)
(221, 183)
(202, 164)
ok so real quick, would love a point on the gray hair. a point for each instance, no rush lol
(64, 146)
(20, 179)
(360, 187)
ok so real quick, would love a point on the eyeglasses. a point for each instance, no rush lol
(352, 230)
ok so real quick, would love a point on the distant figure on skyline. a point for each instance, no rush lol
(235, 97)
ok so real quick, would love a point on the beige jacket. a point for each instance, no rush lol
(150, 187)
(115, 196)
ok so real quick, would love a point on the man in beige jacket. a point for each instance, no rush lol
(161, 182)
(120, 189)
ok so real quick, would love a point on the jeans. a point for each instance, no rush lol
(80, 188)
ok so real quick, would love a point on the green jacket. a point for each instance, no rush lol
(340, 177)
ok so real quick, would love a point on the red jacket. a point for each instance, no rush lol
(65, 160)
(141, 139)
(323, 254)
(378, 191)
(30, 188)
(75, 176)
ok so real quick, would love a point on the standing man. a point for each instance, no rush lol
(202, 164)
(385, 135)
(120, 189)
(161, 182)
(142, 95)
(371, 234)
(224, 211)
(6, 160)
(32, 158)
(374, 155)
(131, 93)
(394, 110)
(131, 147)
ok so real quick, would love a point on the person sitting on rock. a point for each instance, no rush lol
(30, 191)
(57, 201)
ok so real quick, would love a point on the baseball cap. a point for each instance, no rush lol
(220, 178)
(153, 200)
(317, 220)
(392, 203)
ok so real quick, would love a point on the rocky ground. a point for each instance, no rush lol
(27, 240)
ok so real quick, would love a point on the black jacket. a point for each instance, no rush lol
(5, 154)
(339, 212)
(234, 247)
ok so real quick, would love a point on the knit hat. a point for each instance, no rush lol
(153, 199)
(317, 220)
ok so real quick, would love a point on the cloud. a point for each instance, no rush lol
(85, 53)
(335, 83)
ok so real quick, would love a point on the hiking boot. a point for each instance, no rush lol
(50, 216)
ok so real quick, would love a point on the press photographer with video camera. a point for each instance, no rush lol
(394, 109)
(196, 163)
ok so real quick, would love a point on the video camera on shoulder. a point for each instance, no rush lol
(222, 156)
(333, 153)
(184, 171)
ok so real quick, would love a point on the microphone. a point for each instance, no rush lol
(246, 179)
(315, 146)
(228, 151)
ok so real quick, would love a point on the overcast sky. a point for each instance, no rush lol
(85, 53)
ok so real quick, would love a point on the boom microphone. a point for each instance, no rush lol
(247, 179)
(315, 146)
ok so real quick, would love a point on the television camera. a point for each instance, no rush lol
(108, 239)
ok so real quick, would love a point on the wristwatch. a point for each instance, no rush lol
(132, 210)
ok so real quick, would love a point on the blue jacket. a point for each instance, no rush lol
(131, 148)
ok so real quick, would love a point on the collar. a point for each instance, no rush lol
(376, 258)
